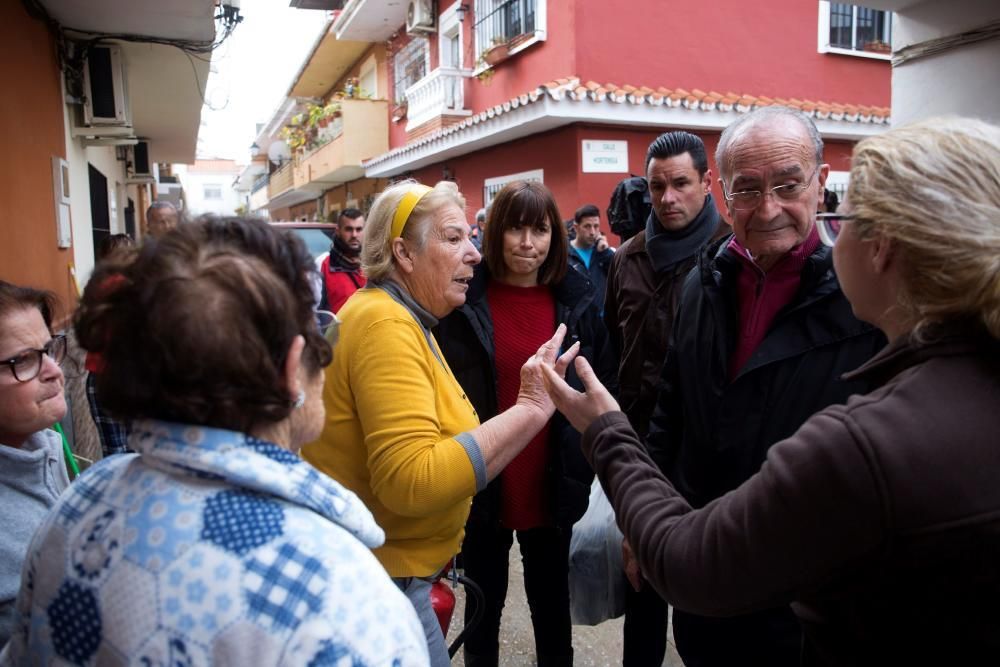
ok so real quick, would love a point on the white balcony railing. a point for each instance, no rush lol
(442, 92)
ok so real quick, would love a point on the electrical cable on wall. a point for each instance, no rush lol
(934, 46)
(73, 53)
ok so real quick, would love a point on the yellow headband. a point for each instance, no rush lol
(406, 206)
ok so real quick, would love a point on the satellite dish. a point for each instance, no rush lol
(278, 152)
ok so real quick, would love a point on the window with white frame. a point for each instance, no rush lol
(847, 28)
(500, 21)
(450, 38)
(491, 186)
(212, 191)
(410, 65)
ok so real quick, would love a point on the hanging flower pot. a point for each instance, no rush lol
(496, 54)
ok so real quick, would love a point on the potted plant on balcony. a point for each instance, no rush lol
(496, 52)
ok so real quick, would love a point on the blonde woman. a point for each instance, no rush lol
(878, 520)
(400, 432)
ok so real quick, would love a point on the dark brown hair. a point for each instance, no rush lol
(195, 328)
(14, 297)
(522, 203)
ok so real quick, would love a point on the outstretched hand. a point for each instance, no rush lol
(533, 391)
(581, 409)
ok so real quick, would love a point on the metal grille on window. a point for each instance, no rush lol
(491, 189)
(409, 65)
(499, 21)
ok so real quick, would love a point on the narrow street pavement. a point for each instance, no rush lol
(597, 646)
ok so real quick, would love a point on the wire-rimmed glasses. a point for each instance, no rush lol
(749, 200)
(27, 365)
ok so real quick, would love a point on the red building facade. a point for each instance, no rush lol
(581, 88)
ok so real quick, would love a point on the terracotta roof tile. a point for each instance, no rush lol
(572, 90)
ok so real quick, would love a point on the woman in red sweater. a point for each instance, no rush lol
(514, 304)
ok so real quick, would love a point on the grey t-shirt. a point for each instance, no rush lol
(31, 478)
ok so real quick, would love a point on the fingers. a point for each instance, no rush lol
(548, 351)
(563, 362)
(586, 374)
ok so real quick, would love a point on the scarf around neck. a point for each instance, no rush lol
(667, 248)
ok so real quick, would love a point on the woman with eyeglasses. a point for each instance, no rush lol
(879, 519)
(214, 543)
(32, 467)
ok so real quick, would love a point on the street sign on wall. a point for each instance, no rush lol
(607, 157)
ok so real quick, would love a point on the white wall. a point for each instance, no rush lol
(964, 80)
(194, 191)
(103, 158)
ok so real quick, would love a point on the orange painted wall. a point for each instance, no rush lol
(31, 116)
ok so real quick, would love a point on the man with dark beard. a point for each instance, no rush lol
(341, 270)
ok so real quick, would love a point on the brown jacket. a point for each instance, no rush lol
(639, 314)
(879, 520)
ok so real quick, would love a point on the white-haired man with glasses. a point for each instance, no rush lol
(761, 338)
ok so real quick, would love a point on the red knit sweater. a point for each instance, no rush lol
(523, 319)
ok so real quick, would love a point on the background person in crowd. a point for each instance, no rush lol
(215, 543)
(341, 269)
(400, 431)
(32, 467)
(644, 281)
(479, 229)
(761, 338)
(879, 519)
(112, 433)
(517, 298)
(589, 252)
(161, 217)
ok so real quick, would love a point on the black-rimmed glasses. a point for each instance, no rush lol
(829, 226)
(27, 365)
(749, 200)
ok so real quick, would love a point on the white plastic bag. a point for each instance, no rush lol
(596, 575)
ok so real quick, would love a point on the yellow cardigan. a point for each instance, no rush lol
(393, 412)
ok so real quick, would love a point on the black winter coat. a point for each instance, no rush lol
(466, 339)
(708, 434)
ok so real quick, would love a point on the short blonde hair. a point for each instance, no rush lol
(377, 259)
(933, 189)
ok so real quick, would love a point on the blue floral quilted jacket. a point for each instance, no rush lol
(209, 547)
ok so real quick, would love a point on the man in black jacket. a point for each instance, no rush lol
(761, 338)
(589, 252)
(643, 283)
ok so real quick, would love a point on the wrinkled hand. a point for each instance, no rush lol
(533, 392)
(580, 409)
(631, 566)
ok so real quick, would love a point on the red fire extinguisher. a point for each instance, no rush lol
(443, 603)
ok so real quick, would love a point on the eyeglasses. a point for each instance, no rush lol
(27, 365)
(829, 226)
(749, 200)
(328, 324)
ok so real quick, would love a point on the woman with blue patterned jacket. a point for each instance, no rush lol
(214, 543)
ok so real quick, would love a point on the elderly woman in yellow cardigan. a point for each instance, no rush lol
(400, 431)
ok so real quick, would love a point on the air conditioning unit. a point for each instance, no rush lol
(420, 16)
(105, 94)
(137, 164)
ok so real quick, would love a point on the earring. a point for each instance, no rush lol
(300, 400)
